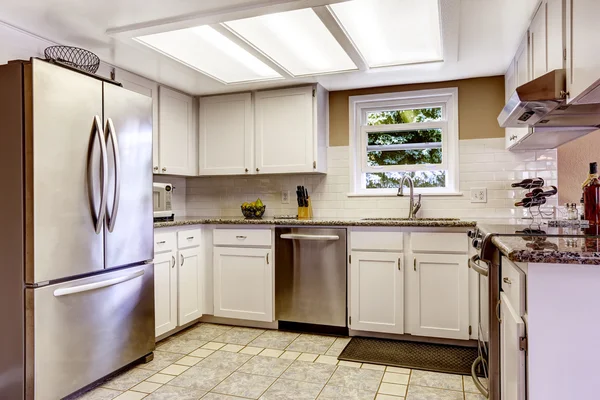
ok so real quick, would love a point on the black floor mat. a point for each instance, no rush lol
(426, 356)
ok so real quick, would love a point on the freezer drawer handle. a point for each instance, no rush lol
(240, 237)
(98, 219)
(97, 285)
(112, 217)
(298, 236)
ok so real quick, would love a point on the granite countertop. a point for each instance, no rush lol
(576, 249)
(423, 222)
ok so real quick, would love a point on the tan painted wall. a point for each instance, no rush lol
(479, 103)
(574, 159)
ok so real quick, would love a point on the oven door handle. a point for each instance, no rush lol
(476, 380)
(299, 236)
(473, 263)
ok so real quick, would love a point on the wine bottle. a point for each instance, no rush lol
(529, 183)
(591, 196)
(592, 174)
(545, 191)
(531, 202)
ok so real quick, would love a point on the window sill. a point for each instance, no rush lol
(440, 194)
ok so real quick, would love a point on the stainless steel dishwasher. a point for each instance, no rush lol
(310, 279)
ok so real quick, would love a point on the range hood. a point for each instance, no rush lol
(541, 108)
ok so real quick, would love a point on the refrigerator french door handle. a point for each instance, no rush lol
(97, 285)
(99, 218)
(111, 134)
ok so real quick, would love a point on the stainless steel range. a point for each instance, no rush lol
(486, 264)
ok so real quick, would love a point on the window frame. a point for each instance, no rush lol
(360, 106)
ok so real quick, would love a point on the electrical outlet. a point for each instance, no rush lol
(285, 197)
(478, 195)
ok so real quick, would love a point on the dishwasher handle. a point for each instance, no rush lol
(299, 236)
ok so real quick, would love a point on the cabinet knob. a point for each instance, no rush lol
(507, 281)
(257, 170)
(564, 94)
(156, 168)
(164, 169)
(513, 137)
(246, 170)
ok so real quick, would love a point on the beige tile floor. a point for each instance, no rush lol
(217, 362)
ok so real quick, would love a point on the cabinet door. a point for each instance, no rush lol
(512, 358)
(538, 42)
(177, 144)
(555, 21)
(377, 292)
(226, 135)
(148, 88)
(440, 296)
(522, 67)
(243, 283)
(285, 130)
(583, 57)
(190, 284)
(165, 292)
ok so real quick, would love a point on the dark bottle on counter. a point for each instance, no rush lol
(591, 196)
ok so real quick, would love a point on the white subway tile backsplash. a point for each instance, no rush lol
(483, 163)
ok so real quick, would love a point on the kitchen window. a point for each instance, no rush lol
(394, 134)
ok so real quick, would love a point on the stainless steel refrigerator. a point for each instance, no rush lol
(76, 274)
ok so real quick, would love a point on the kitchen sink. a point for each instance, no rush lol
(408, 219)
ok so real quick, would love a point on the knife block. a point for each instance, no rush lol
(306, 212)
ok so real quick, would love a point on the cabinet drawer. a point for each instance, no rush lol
(164, 242)
(189, 238)
(377, 240)
(439, 242)
(242, 237)
(513, 285)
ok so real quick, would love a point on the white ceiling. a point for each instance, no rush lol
(479, 37)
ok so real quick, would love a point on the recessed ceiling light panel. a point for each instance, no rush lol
(210, 52)
(296, 40)
(392, 32)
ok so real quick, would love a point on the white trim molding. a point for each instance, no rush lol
(360, 106)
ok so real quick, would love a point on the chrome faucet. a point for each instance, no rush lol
(413, 208)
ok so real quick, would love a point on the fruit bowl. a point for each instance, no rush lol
(253, 210)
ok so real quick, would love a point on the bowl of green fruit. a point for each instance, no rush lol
(253, 210)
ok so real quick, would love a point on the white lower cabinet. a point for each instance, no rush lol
(178, 280)
(439, 295)
(243, 283)
(165, 292)
(377, 292)
(190, 279)
(512, 358)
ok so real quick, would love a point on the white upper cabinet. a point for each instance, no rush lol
(518, 73)
(538, 43)
(177, 151)
(555, 21)
(291, 130)
(226, 135)
(439, 296)
(583, 57)
(522, 67)
(377, 292)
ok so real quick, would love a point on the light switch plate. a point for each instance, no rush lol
(285, 197)
(478, 195)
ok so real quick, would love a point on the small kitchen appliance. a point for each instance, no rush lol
(162, 198)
